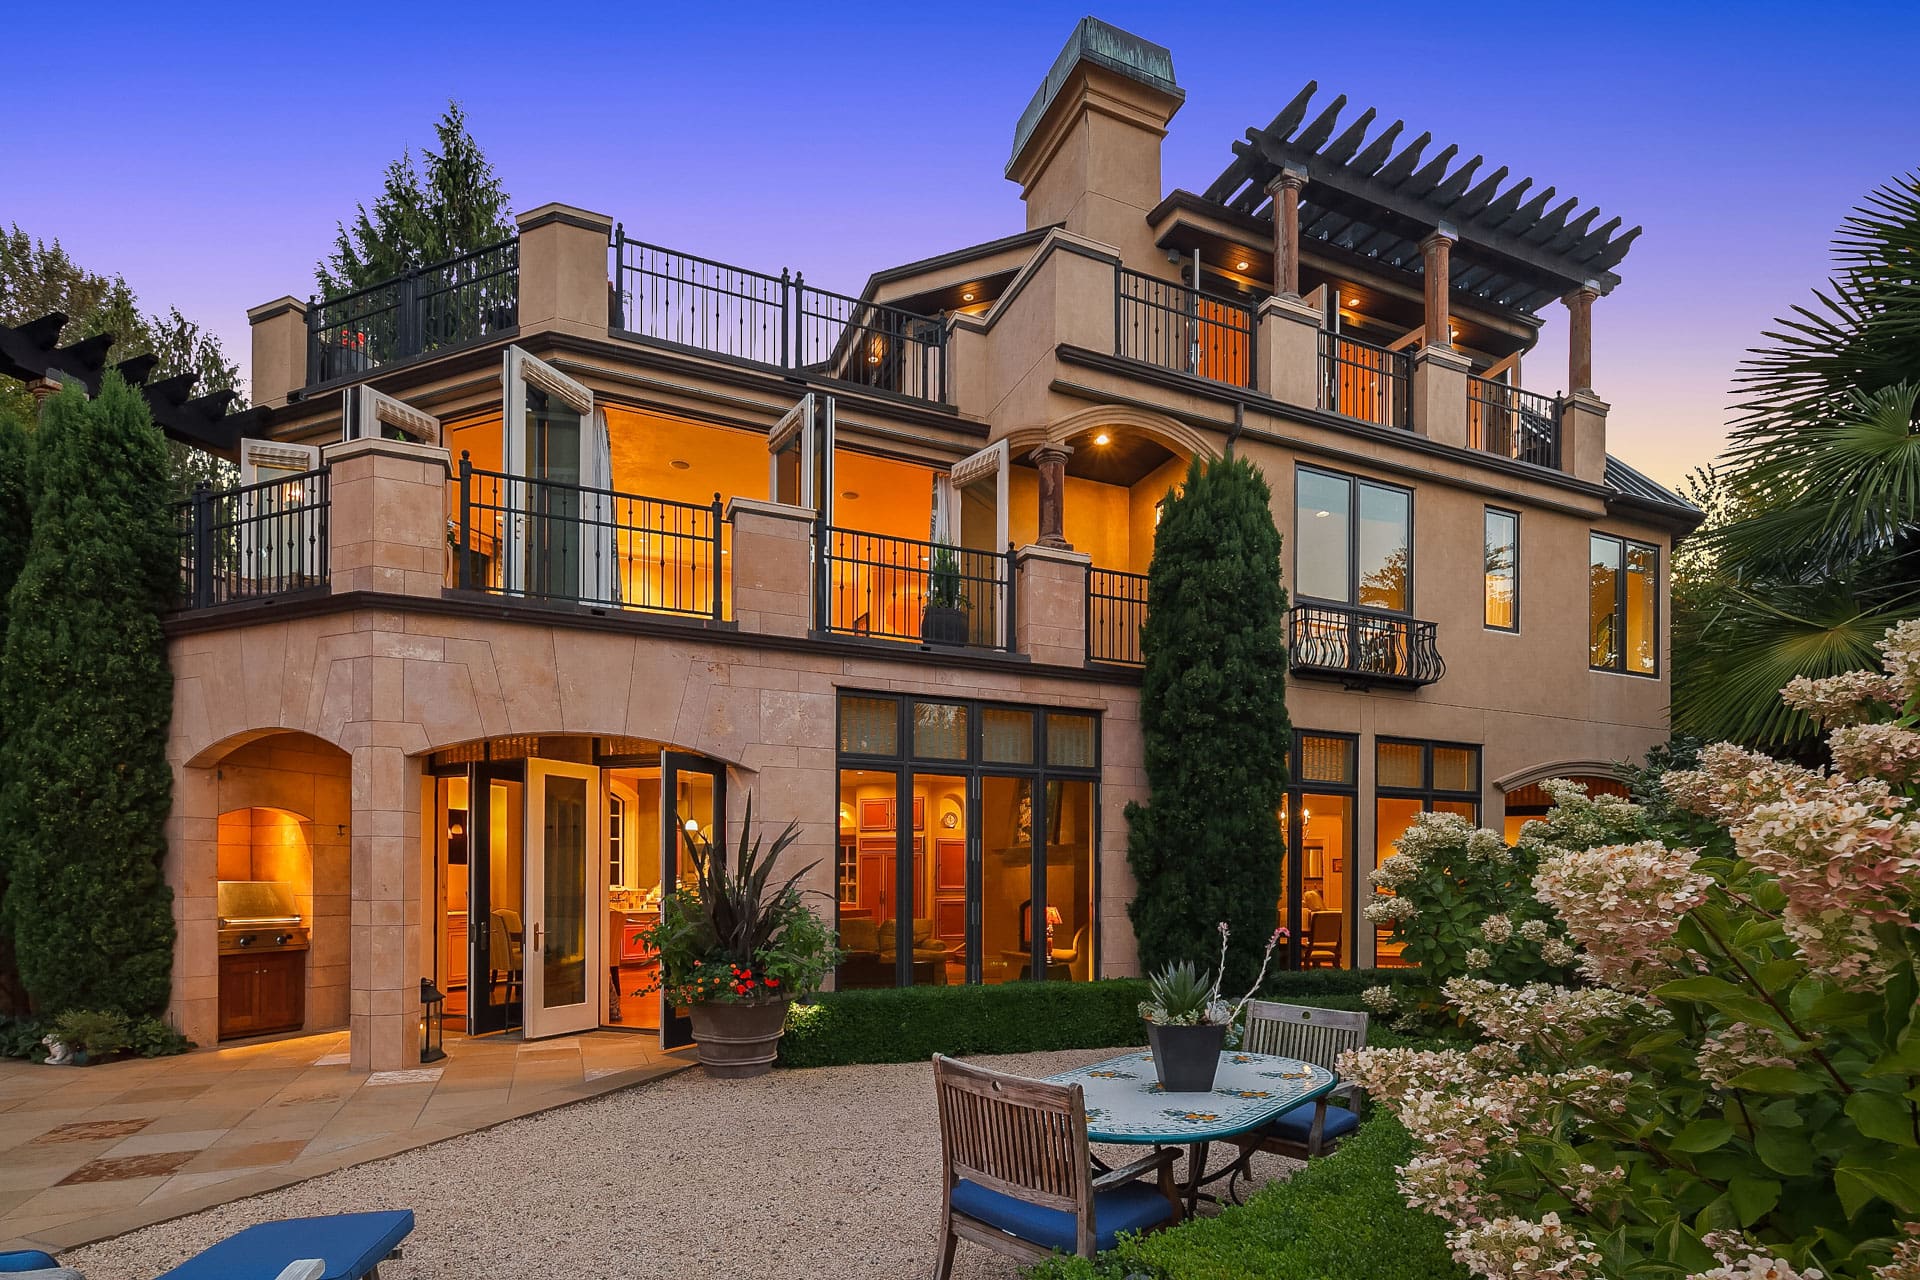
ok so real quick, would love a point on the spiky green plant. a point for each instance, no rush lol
(1178, 996)
(741, 917)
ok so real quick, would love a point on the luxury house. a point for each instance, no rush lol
(546, 554)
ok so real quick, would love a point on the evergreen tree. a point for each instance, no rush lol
(84, 782)
(15, 527)
(1207, 846)
(456, 206)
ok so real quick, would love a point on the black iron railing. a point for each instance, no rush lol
(780, 321)
(1175, 327)
(1362, 646)
(553, 541)
(1116, 610)
(253, 541)
(1360, 380)
(873, 584)
(432, 308)
(1513, 423)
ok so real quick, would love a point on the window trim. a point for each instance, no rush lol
(1488, 512)
(1353, 482)
(1619, 665)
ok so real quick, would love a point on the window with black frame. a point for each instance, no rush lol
(1411, 777)
(968, 838)
(1317, 876)
(1353, 541)
(1623, 585)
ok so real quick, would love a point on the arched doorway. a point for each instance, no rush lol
(1530, 800)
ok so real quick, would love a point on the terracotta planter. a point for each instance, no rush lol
(738, 1041)
(1185, 1058)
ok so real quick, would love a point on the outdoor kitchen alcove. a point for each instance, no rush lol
(271, 907)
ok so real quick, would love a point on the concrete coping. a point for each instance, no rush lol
(772, 510)
(1034, 551)
(1446, 357)
(565, 214)
(1290, 308)
(341, 450)
(278, 307)
(1588, 401)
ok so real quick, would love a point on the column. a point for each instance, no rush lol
(563, 270)
(1437, 251)
(387, 907)
(1580, 338)
(1051, 459)
(1050, 607)
(1285, 189)
(279, 333)
(772, 567)
(388, 504)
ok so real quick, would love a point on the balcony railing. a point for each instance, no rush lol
(890, 588)
(566, 543)
(1182, 329)
(1360, 380)
(1513, 423)
(1362, 647)
(780, 321)
(433, 308)
(1116, 610)
(253, 541)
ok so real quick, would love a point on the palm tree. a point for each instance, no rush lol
(1812, 548)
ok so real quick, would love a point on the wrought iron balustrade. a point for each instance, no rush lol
(1361, 380)
(432, 308)
(567, 543)
(1361, 646)
(1179, 328)
(873, 584)
(866, 342)
(1513, 423)
(1116, 610)
(253, 541)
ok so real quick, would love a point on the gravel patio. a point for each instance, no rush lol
(822, 1173)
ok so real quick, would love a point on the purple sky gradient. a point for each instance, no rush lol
(206, 151)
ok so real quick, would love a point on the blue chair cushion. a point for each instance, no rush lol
(1296, 1125)
(351, 1244)
(26, 1260)
(1134, 1206)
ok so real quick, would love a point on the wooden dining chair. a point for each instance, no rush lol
(1323, 940)
(1017, 1175)
(1313, 1035)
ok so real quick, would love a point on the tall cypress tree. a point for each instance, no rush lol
(16, 524)
(1207, 845)
(84, 782)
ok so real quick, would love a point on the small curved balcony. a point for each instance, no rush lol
(1362, 647)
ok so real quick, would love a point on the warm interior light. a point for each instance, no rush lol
(1321, 515)
(1241, 265)
(1103, 438)
(1353, 302)
(693, 824)
(966, 297)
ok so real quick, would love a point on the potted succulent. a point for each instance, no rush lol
(944, 620)
(1187, 1021)
(735, 951)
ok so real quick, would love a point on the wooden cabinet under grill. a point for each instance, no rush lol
(262, 992)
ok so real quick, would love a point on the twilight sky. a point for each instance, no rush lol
(209, 149)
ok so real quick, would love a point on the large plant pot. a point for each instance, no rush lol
(738, 1041)
(1185, 1058)
(943, 626)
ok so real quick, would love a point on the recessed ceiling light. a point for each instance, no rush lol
(1242, 265)
(849, 494)
(680, 464)
(1353, 302)
(966, 297)
(1321, 515)
(1103, 438)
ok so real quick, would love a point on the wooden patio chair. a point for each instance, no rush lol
(1318, 1036)
(1017, 1176)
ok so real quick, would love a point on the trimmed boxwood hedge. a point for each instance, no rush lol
(911, 1024)
(1339, 1218)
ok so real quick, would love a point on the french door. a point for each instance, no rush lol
(565, 970)
(693, 806)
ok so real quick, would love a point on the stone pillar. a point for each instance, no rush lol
(1440, 394)
(1580, 338)
(1051, 459)
(772, 564)
(563, 270)
(1583, 437)
(1285, 189)
(192, 869)
(1289, 351)
(279, 350)
(387, 902)
(1436, 249)
(388, 506)
(1050, 605)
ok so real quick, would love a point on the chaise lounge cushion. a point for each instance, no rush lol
(351, 1244)
(1135, 1206)
(1297, 1125)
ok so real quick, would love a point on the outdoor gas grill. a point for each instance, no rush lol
(259, 915)
(263, 959)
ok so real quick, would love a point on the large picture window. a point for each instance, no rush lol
(968, 837)
(1623, 586)
(1353, 541)
(1410, 778)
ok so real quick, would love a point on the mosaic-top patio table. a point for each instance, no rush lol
(1125, 1104)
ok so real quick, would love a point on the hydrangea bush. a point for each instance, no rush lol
(1733, 1090)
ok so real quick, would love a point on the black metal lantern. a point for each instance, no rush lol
(433, 1022)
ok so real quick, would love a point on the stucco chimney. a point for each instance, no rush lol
(1086, 152)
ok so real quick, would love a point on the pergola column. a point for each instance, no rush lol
(1051, 460)
(1285, 189)
(1436, 249)
(1580, 338)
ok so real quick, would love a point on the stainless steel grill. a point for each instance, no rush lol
(259, 915)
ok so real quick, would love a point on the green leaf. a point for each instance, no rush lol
(1785, 1151)
(1703, 1135)
(1858, 1186)
(1753, 1198)
(1885, 1116)
(1777, 1080)
(1735, 1002)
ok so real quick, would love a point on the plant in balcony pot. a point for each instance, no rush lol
(944, 620)
(735, 950)
(1187, 1021)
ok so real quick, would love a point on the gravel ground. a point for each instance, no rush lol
(824, 1173)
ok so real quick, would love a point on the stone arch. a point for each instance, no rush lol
(1169, 431)
(1576, 769)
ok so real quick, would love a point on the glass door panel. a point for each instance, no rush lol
(1005, 876)
(1067, 926)
(936, 883)
(496, 898)
(1323, 839)
(870, 877)
(693, 805)
(563, 960)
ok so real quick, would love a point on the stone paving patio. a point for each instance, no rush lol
(87, 1153)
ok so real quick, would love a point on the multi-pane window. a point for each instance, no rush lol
(1317, 877)
(1502, 570)
(1623, 585)
(1411, 778)
(1353, 540)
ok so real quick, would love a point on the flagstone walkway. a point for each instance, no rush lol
(91, 1152)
